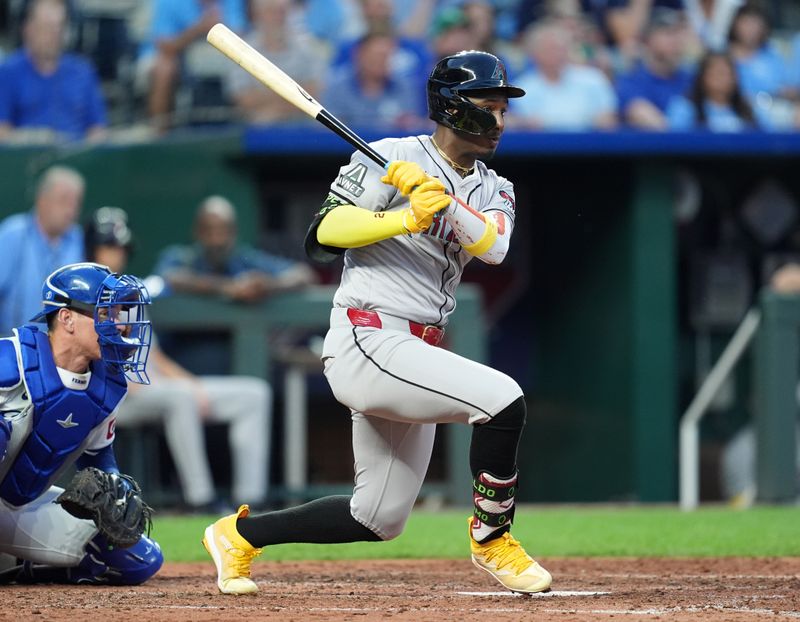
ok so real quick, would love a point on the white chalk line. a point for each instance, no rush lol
(549, 594)
(622, 575)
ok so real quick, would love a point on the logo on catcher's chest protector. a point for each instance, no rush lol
(351, 180)
(68, 422)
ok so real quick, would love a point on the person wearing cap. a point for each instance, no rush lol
(451, 33)
(645, 92)
(60, 392)
(37, 242)
(186, 402)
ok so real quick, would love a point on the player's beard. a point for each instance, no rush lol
(481, 146)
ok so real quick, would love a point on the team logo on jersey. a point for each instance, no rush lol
(112, 426)
(508, 200)
(351, 180)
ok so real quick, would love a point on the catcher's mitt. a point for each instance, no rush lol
(113, 501)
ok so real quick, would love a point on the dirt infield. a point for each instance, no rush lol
(423, 591)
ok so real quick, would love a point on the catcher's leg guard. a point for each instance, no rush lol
(131, 566)
(101, 565)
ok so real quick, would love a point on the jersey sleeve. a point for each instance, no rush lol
(359, 183)
(502, 203)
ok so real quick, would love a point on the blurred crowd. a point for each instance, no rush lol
(95, 70)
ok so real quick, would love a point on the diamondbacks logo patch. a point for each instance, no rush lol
(352, 180)
(508, 200)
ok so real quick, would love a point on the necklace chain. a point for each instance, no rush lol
(463, 171)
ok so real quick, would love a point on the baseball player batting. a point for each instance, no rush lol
(405, 243)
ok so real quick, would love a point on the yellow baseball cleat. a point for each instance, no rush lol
(506, 560)
(232, 554)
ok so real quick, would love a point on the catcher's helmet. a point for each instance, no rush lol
(116, 301)
(455, 77)
(108, 227)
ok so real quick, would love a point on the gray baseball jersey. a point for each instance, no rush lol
(396, 385)
(413, 276)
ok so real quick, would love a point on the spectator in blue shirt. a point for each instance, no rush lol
(410, 58)
(561, 95)
(175, 26)
(367, 95)
(763, 72)
(716, 101)
(44, 89)
(38, 242)
(646, 91)
(215, 265)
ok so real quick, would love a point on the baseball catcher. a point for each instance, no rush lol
(59, 394)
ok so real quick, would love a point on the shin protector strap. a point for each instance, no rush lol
(493, 500)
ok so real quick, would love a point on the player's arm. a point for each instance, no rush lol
(485, 235)
(103, 459)
(349, 226)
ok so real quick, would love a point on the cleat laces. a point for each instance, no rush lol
(242, 560)
(507, 553)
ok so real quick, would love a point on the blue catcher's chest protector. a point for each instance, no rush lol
(62, 418)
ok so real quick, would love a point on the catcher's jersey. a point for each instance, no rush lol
(411, 276)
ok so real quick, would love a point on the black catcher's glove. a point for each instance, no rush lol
(113, 501)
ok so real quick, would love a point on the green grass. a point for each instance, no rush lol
(547, 532)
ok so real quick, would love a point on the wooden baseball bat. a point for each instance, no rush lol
(254, 63)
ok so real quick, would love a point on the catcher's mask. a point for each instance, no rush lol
(456, 77)
(116, 302)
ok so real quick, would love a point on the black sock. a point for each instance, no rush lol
(322, 521)
(494, 443)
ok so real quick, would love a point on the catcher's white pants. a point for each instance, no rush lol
(43, 532)
(397, 388)
(245, 403)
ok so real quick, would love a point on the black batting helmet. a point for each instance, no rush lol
(108, 227)
(455, 77)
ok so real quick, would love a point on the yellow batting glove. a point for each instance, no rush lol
(404, 176)
(426, 200)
